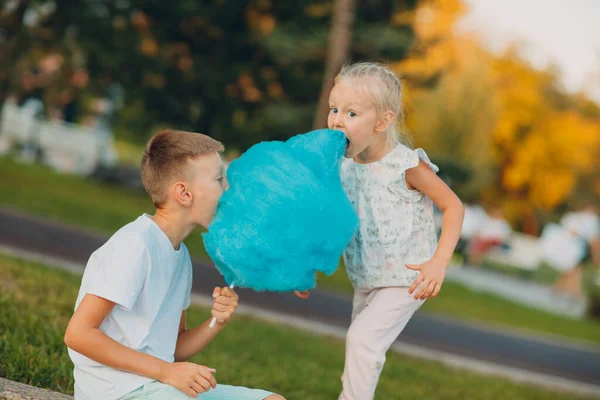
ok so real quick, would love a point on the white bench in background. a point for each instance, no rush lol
(17, 124)
(68, 148)
(523, 252)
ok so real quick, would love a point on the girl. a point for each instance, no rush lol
(394, 261)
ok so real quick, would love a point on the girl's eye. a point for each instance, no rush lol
(334, 110)
(352, 114)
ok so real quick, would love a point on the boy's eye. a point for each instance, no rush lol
(352, 114)
(334, 110)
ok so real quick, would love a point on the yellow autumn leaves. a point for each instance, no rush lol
(526, 142)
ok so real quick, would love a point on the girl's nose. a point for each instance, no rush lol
(338, 121)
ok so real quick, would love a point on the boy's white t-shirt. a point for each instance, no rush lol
(150, 282)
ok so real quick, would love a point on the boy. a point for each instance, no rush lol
(128, 336)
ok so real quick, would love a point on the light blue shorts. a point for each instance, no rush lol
(159, 391)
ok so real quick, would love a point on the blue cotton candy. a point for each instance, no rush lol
(285, 215)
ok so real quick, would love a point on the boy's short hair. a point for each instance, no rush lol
(165, 156)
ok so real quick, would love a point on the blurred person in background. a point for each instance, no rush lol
(494, 231)
(584, 227)
(475, 216)
(30, 92)
(70, 97)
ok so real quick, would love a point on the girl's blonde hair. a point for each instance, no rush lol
(384, 87)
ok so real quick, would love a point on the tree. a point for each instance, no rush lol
(242, 71)
(523, 143)
(12, 23)
(339, 49)
(298, 46)
(447, 83)
(543, 141)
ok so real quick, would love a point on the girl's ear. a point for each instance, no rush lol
(384, 121)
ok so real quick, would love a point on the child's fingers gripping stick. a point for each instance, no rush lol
(304, 294)
(216, 293)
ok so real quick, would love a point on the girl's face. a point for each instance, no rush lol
(355, 114)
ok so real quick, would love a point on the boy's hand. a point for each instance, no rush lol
(429, 280)
(189, 378)
(302, 294)
(226, 301)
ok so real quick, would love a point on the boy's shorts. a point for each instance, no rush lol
(159, 391)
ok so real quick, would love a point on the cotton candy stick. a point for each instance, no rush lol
(214, 320)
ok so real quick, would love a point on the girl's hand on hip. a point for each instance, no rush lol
(429, 281)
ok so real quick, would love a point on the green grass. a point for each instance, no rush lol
(37, 302)
(106, 208)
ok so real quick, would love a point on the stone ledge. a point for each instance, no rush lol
(10, 390)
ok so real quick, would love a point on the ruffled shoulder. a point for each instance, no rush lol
(404, 158)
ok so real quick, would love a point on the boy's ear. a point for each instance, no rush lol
(384, 121)
(181, 193)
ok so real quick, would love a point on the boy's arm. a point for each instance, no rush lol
(84, 336)
(194, 340)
